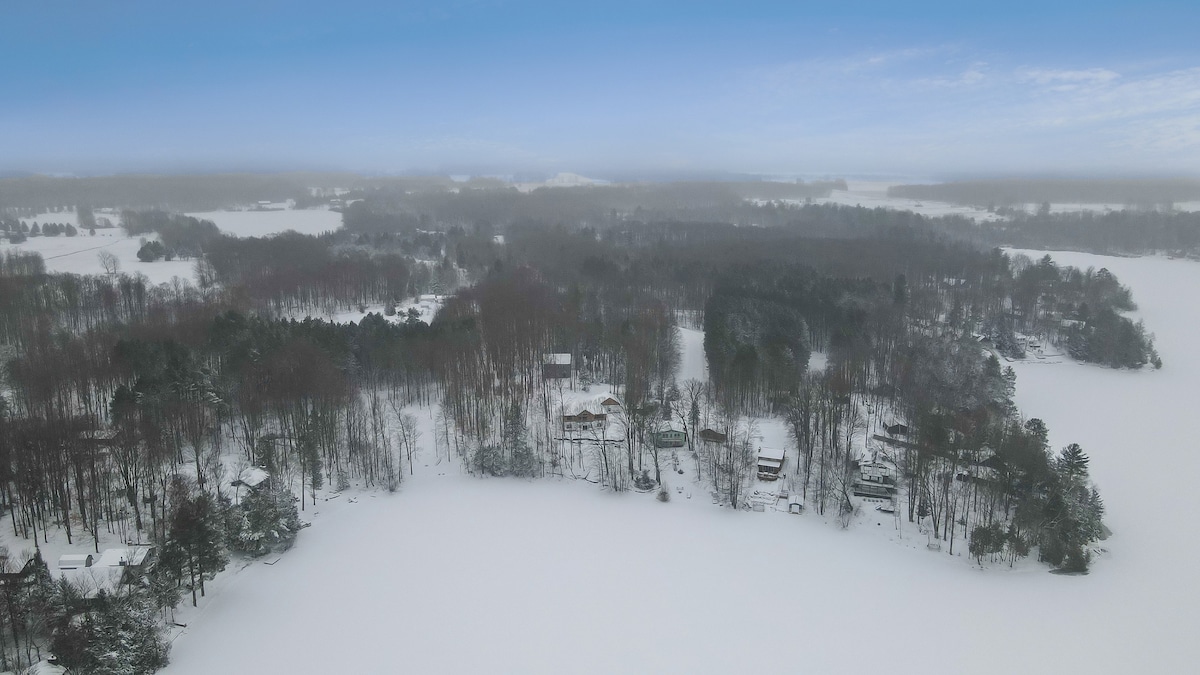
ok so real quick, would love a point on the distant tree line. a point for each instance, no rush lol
(1125, 232)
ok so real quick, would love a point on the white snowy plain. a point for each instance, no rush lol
(264, 223)
(454, 574)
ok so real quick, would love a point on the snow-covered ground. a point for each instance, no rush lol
(427, 307)
(80, 255)
(692, 365)
(454, 574)
(264, 223)
(872, 194)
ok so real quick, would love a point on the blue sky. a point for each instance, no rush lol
(932, 89)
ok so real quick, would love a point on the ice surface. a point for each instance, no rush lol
(263, 223)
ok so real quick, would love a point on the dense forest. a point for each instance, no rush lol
(1125, 232)
(190, 384)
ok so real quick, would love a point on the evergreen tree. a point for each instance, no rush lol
(119, 636)
(267, 518)
(195, 541)
(522, 461)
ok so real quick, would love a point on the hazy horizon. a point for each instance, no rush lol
(858, 89)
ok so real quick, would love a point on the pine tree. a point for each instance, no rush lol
(522, 461)
(195, 541)
(1073, 463)
(268, 518)
(121, 636)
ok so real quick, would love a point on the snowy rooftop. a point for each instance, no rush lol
(129, 555)
(91, 580)
(770, 454)
(73, 560)
(253, 476)
(557, 359)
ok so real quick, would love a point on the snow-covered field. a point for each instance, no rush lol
(871, 195)
(80, 255)
(264, 223)
(454, 574)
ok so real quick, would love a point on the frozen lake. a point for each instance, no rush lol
(265, 223)
(461, 575)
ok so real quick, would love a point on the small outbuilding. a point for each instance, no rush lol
(74, 561)
(556, 366)
(713, 437)
(795, 504)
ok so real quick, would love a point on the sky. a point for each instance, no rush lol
(912, 89)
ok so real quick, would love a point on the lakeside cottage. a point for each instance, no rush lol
(115, 568)
(669, 436)
(770, 463)
(874, 480)
(584, 421)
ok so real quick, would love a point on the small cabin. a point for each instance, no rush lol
(713, 437)
(669, 437)
(897, 429)
(795, 504)
(99, 437)
(74, 561)
(556, 366)
(99, 441)
(770, 463)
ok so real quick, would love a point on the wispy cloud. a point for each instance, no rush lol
(1066, 80)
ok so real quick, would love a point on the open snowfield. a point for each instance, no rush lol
(873, 194)
(80, 255)
(264, 223)
(454, 574)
